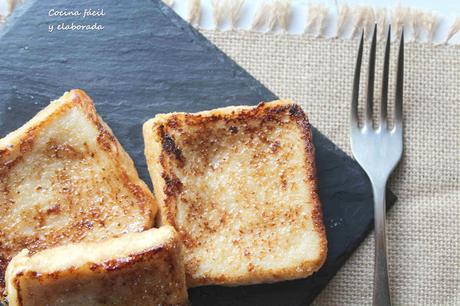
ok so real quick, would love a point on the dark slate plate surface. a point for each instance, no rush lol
(145, 61)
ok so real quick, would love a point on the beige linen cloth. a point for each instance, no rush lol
(424, 225)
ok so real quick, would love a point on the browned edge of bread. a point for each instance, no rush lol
(168, 187)
(21, 141)
(168, 250)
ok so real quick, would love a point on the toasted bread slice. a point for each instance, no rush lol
(238, 183)
(138, 269)
(64, 178)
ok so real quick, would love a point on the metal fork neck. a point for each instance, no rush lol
(381, 282)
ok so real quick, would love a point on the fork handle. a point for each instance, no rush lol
(381, 283)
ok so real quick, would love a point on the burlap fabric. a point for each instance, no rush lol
(423, 226)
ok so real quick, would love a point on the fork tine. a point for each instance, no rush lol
(370, 80)
(355, 93)
(399, 84)
(386, 64)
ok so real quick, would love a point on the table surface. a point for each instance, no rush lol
(424, 252)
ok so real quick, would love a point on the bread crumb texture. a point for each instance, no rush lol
(65, 178)
(239, 185)
(138, 269)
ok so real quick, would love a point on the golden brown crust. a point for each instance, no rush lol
(147, 272)
(317, 213)
(171, 138)
(37, 163)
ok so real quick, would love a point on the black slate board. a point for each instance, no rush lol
(145, 61)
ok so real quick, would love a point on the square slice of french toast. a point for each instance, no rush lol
(138, 269)
(239, 185)
(64, 178)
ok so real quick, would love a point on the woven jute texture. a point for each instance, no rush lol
(423, 226)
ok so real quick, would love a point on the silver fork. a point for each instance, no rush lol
(378, 151)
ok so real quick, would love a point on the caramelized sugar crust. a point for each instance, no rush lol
(64, 177)
(239, 185)
(134, 269)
